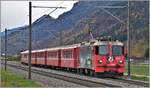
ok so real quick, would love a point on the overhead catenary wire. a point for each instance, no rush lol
(46, 7)
(113, 7)
(49, 8)
(54, 7)
(30, 34)
(52, 11)
(57, 6)
(24, 21)
(113, 15)
(60, 7)
(128, 31)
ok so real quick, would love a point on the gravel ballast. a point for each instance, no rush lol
(44, 81)
(62, 84)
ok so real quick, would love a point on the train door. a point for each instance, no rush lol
(59, 58)
(85, 57)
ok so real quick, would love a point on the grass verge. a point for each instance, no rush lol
(140, 78)
(9, 79)
(139, 72)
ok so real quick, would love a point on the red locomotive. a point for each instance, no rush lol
(95, 58)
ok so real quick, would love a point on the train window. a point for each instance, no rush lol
(67, 54)
(103, 50)
(22, 56)
(41, 54)
(52, 54)
(26, 56)
(117, 50)
(33, 55)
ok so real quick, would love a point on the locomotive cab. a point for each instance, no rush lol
(108, 58)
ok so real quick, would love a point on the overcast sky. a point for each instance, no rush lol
(15, 13)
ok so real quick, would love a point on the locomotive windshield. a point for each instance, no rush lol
(117, 50)
(103, 50)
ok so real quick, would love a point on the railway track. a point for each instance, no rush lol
(83, 82)
(131, 81)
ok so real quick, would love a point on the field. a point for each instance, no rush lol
(139, 72)
(9, 79)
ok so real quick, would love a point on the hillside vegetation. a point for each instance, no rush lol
(72, 27)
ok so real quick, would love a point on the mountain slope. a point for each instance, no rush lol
(72, 27)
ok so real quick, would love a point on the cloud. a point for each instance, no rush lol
(15, 13)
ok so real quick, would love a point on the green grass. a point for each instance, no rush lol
(13, 58)
(9, 79)
(140, 78)
(142, 70)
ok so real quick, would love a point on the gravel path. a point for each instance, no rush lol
(43, 80)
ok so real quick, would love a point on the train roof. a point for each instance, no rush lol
(54, 48)
(97, 42)
(70, 46)
(64, 47)
(108, 42)
(88, 43)
(40, 50)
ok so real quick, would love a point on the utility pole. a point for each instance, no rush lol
(30, 39)
(128, 42)
(61, 35)
(30, 32)
(60, 39)
(5, 49)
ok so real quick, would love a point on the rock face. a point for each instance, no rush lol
(72, 27)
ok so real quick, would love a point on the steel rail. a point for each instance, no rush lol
(83, 82)
(131, 81)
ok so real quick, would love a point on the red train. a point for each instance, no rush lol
(95, 58)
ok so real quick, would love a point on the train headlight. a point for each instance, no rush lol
(120, 61)
(100, 61)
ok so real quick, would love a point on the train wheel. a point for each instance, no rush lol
(120, 74)
(94, 74)
(91, 73)
(78, 71)
(81, 71)
(74, 70)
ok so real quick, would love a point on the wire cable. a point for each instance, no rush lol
(55, 8)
